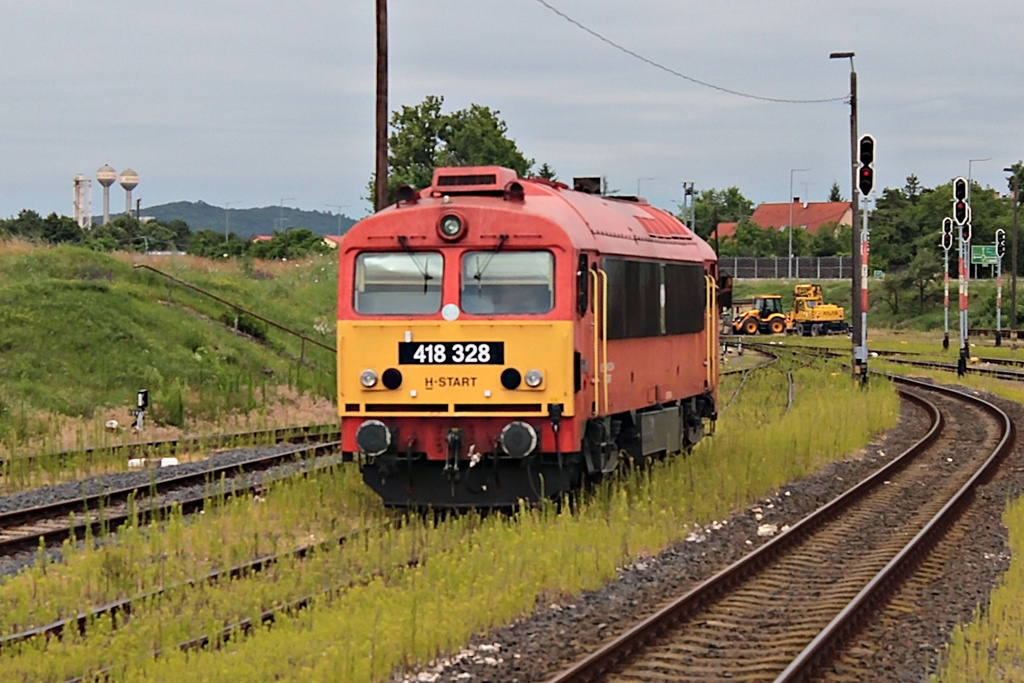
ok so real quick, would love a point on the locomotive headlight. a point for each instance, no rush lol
(368, 378)
(451, 227)
(534, 378)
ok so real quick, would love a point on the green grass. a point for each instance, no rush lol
(81, 332)
(475, 572)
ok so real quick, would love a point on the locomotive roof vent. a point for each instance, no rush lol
(590, 184)
(485, 180)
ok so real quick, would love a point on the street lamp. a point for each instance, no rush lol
(860, 351)
(280, 216)
(1013, 257)
(226, 205)
(970, 162)
(339, 207)
(791, 172)
(638, 184)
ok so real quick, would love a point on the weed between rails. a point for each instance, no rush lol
(481, 571)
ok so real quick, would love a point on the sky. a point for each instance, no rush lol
(258, 103)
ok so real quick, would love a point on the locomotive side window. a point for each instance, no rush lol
(398, 283)
(685, 298)
(511, 282)
(648, 299)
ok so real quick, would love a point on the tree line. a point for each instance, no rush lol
(125, 233)
(905, 224)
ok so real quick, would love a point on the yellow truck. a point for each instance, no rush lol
(810, 316)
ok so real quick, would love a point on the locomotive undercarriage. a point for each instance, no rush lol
(404, 477)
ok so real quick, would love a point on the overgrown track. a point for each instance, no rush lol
(785, 610)
(171, 447)
(101, 513)
(120, 611)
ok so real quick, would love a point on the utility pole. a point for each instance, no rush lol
(1013, 256)
(380, 186)
(858, 350)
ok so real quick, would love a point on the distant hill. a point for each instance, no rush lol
(247, 222)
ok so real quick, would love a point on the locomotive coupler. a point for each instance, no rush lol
(451, 459)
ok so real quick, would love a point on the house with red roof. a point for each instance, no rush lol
(809, 216)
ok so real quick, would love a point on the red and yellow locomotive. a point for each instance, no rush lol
(503, 339)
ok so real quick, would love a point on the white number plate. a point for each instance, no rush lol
(451, 353)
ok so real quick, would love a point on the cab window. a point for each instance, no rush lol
(398, 283)
(512, 282)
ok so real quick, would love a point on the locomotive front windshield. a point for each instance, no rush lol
(398, 283)
(507, 282)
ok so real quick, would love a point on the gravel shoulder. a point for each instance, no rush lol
(556, 634)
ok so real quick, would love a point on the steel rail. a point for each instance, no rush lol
(186, 444)
(595, 665)
(92, 507)
(124, 607)
(817, 652)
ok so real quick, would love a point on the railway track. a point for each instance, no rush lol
(173, 447)
(785, 611)
(899, 358)
(100, 513)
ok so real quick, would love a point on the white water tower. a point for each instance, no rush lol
(106, 175)
(129, 180)
(82, 198)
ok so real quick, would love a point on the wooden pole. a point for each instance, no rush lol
(381, 170)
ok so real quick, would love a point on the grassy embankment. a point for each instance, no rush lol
(474, 573)
(81, 332)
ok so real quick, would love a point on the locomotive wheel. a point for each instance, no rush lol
(777, 327)
(750, 327)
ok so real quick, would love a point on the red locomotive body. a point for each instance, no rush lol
(503, 339)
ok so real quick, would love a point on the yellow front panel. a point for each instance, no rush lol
(469, 386)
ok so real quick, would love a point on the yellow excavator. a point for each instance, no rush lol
(810, 316)
(766, 317)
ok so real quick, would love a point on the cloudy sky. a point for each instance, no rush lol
(262, 103)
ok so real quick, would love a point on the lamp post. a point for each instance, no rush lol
(791, 172)
(339, 207)
(970, 162)
(638, 184)
(280, 215)
(1013, 257)
(860, 352)
(226, 205)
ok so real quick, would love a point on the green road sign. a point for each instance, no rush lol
(984, 255)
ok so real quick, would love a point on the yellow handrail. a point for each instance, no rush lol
(597, 332)
(711, 329)
(604, 333)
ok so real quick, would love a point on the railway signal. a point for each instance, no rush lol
(961, 209)
(947, 244)
(866, 156)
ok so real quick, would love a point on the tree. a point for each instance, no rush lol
(924, 272)
(835, 194)
(546, 172)
(423, 138)
(730, 204)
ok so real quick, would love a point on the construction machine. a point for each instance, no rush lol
(811, 316)
(766, 317)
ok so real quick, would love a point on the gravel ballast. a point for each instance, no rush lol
(557, 634)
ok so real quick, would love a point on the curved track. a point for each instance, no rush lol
(782, 612)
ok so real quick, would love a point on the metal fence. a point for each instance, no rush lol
(777, 267)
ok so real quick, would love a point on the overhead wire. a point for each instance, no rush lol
(697, 81)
